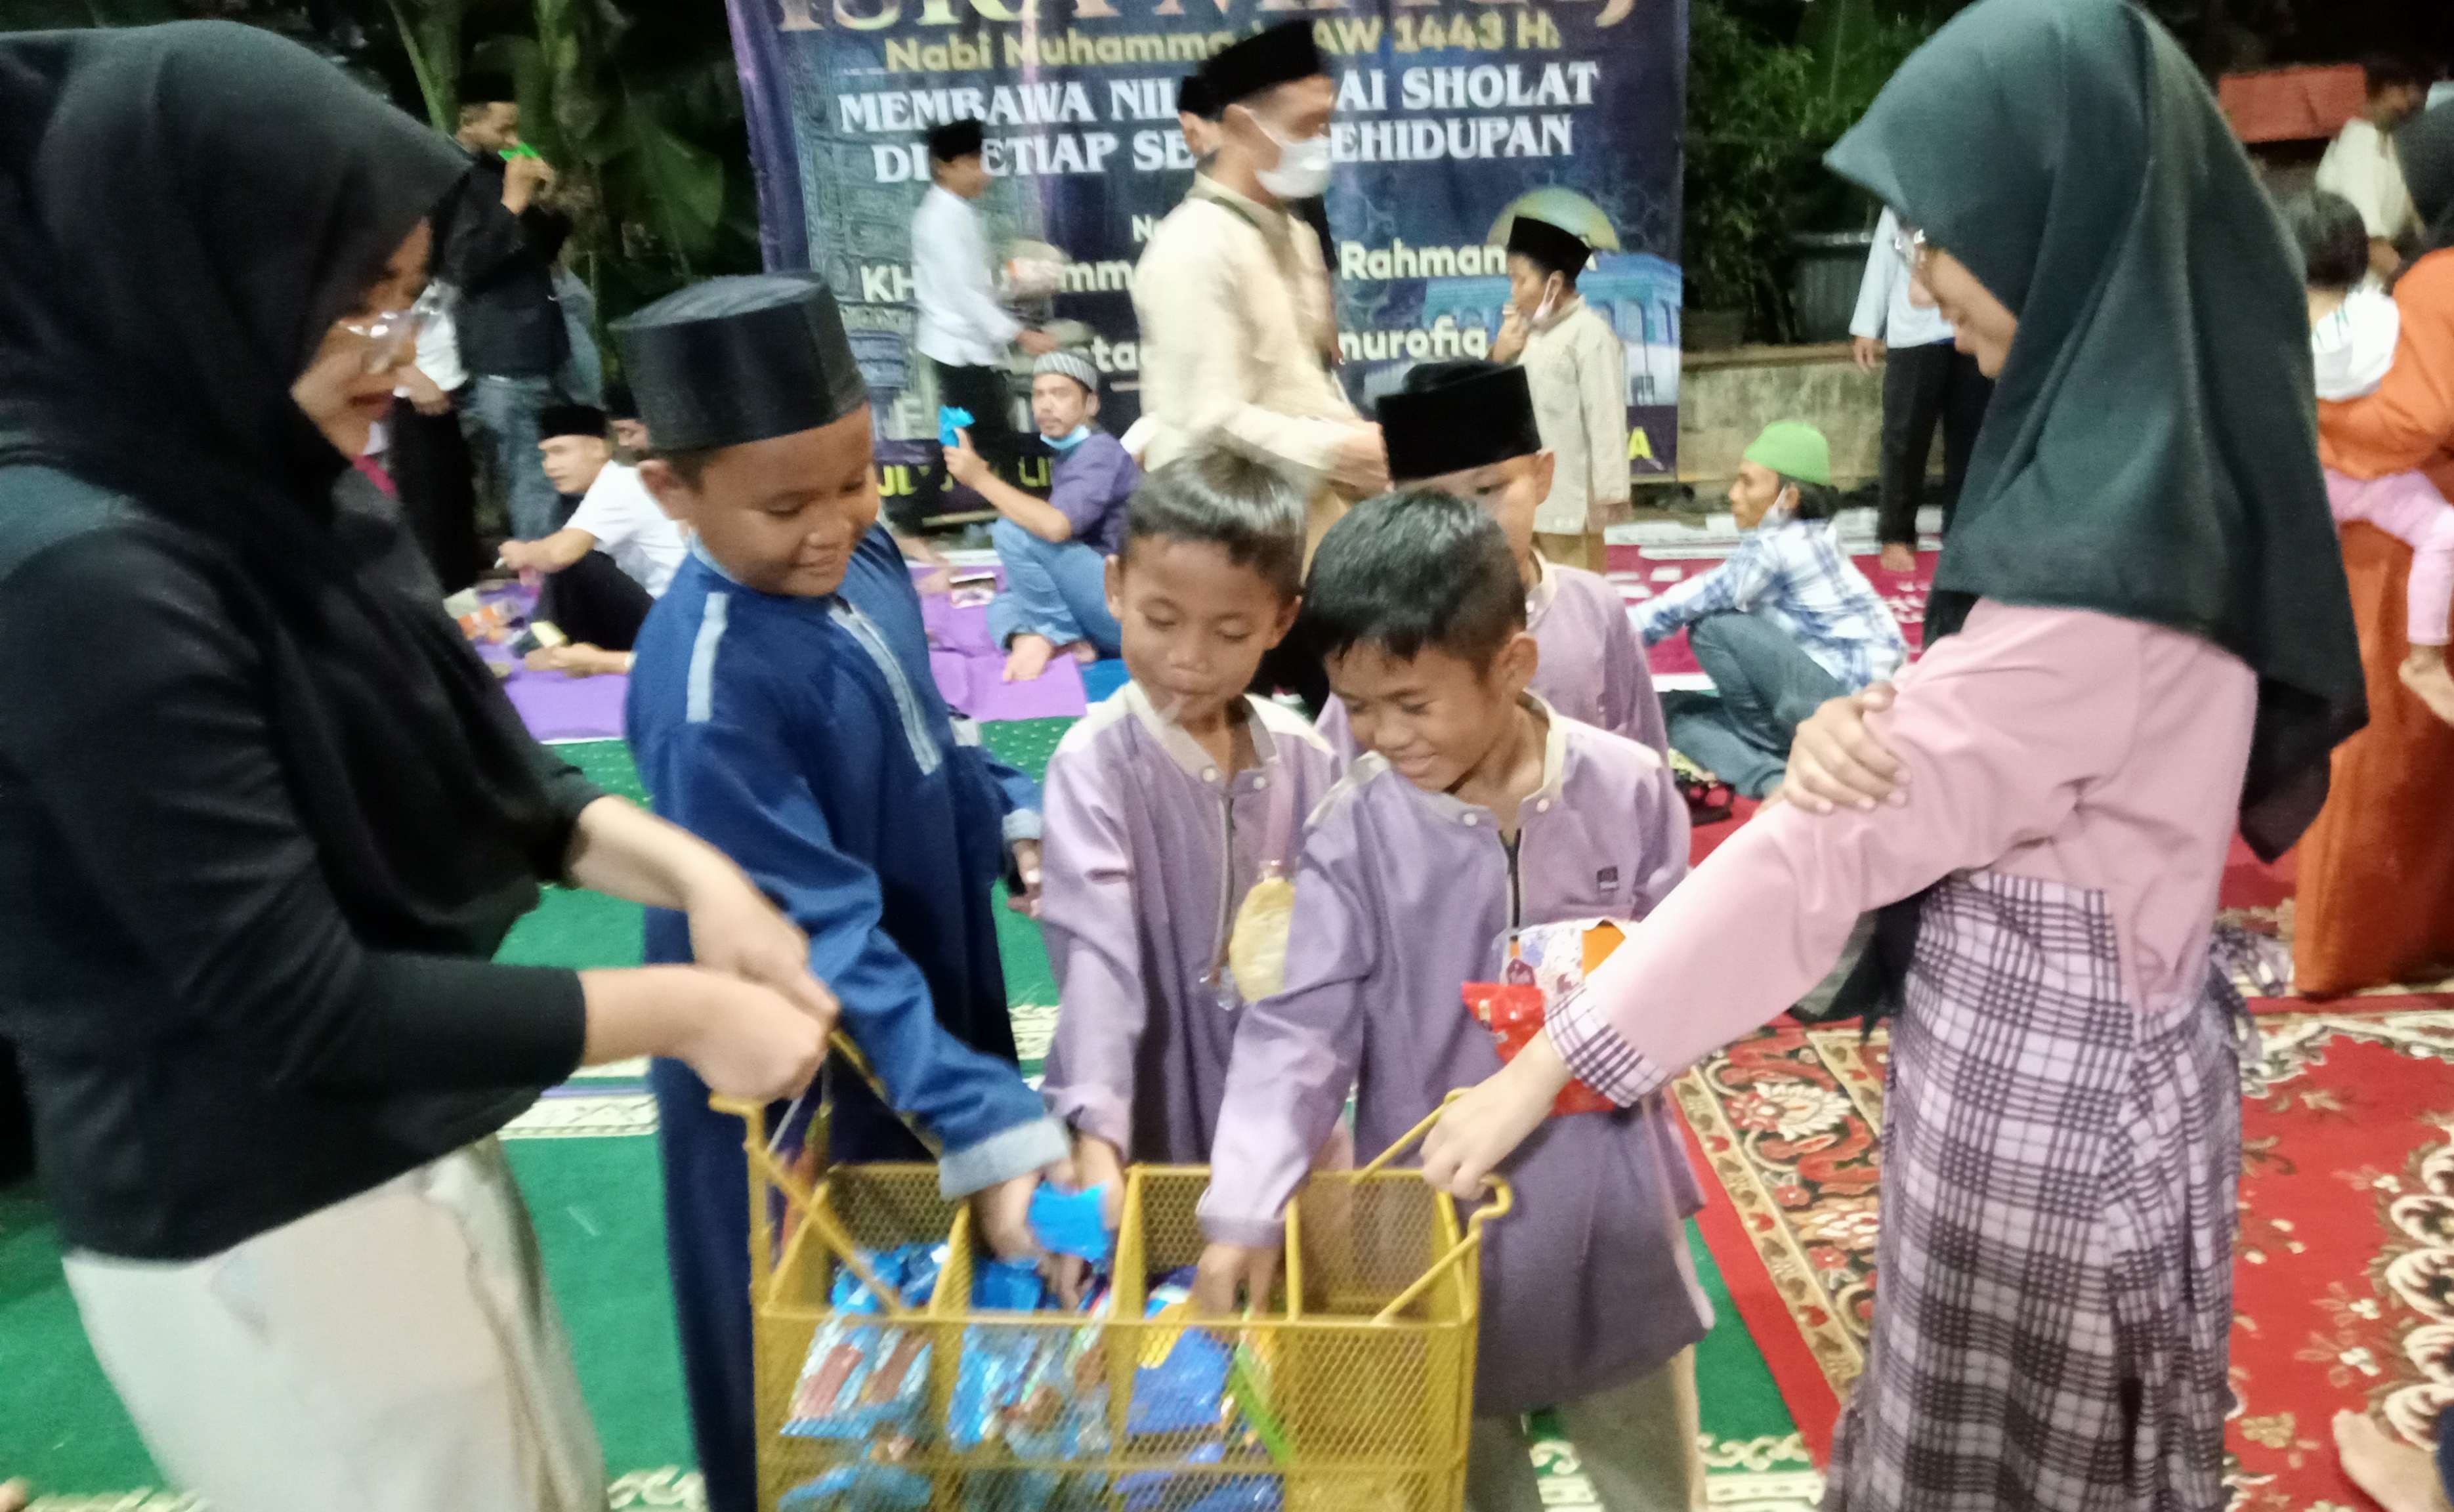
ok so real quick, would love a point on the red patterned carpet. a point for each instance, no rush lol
(2345, 1281)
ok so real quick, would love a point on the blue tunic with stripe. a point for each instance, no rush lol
(806, 738)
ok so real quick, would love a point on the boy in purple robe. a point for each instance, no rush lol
(1467, 427)
(1165, 806)
(1478, 811)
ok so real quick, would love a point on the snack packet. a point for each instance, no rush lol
(867, 1379)
(1542, 966)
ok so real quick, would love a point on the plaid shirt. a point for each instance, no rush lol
(1792, 573)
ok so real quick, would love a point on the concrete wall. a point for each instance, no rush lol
(1726, 397)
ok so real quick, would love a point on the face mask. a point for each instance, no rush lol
(1303, 167)
(1550, 302)
(1066, 443)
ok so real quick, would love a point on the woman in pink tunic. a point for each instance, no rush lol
(2151, 642)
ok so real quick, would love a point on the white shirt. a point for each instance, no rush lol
(438, 352)
(2353, 349)
(961, 323)
(1577, 368)
(632, 527)
(2361, 165)
(1884, 310)
(1235, 313)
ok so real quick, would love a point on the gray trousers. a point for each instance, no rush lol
(501, 414)
(1764, 685)
(1637, 1444)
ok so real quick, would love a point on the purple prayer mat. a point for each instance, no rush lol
(970, 667)
(555, 707)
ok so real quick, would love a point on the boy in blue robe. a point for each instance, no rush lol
(781, 707)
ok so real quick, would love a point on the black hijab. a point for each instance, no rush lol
(2425, 148)
(184, 211)
(2152, 449)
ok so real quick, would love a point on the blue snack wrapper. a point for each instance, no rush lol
(859, 1488)
(1009, 1286)
(1072, 1223)
(865, 1379)
(951, 419)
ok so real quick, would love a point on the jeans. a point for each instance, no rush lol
(1922, 385)
(1764, 686)
(502, 418)
(1057, 589)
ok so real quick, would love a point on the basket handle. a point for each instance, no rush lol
(1412, 1136)
(1501, 1203)
(817, 1214)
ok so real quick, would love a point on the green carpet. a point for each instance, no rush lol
(597, 1203)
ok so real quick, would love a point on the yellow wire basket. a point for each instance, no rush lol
(1363, 1364)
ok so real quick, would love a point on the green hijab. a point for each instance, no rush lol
(2152, 448)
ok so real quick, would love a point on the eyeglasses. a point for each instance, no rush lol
(392, 335)
(1909, 245)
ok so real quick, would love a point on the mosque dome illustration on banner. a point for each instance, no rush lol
(1564, 208)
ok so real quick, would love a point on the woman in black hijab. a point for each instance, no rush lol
(2150, 645)
(264, 819)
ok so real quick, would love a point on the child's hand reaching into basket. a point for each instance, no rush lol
(1229, 1269)
(1002, 1214)
(1097, 1165)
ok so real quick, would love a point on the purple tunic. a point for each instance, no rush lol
(1593, 669)
(1146, 856)
(1404, 896)
(1090, 485)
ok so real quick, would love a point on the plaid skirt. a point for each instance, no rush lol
(2054, 1292)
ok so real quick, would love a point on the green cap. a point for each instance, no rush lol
(1796, 450)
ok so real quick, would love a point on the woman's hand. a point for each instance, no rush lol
(1899, 557)
(746, 1041)
(1837, 760)
(735, 930)
(1483, 1128)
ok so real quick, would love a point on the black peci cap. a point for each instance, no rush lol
(956, 139)
(1554, 247)
(1263, 61)
(570, 420)
(1454, 416)
(740, 360)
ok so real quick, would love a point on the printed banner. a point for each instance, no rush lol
(1453, 115)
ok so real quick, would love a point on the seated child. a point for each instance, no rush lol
(782, 709)
(599, 575)
(2353, 328)
(1166, 804)
(1055, 550)
(1467, 427)
(1786, 622)
(1477, 811)
(1577, 369)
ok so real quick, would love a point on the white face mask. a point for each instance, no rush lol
(1303, 167)
(1550, 302)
